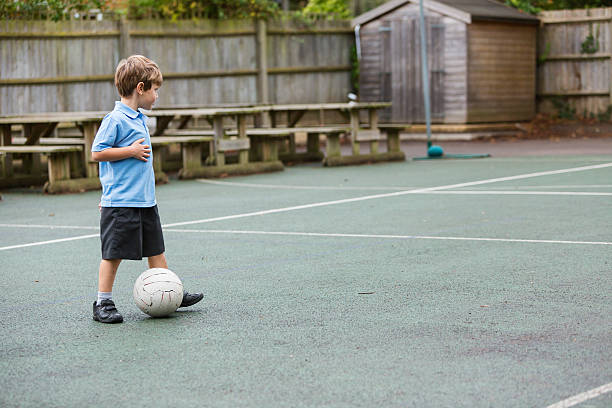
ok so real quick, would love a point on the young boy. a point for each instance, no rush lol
(129, 224)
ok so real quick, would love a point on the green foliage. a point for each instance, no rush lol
(138, 9)
(544, 54)
(535, 6)
(605, 115)
(525, 5)
(564, 109)
(327, 9)
(47, 9)
(213, 9)
(590, 45)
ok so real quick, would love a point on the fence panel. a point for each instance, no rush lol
(574, 53)
(69, 65)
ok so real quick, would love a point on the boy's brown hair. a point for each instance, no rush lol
(133, 70)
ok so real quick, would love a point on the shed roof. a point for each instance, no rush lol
(463, 10)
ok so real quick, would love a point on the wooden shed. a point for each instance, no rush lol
(481, 58)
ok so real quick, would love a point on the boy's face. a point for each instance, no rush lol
(147, 98)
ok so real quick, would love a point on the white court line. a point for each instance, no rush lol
(53, 241)
(383, 236)
(512, 192)
(395, 194)
(349, 200)
(563, 186)
(580, 398)
(48, 226)
(290, 187)
(366, 188)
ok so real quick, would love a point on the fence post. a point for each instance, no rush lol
(610, 60)
(263, 119)
(262, 62)
(124, 38)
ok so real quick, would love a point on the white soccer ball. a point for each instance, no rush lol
(158, 292)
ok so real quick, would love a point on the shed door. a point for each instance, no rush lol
(400, 69)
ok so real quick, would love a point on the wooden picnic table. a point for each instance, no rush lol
(221, 140)
(216, 117)
(264, 140)
(358, 133)
(41, 125)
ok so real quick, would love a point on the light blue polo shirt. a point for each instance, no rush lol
(128, 182)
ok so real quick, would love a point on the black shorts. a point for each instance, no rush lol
(130, 233)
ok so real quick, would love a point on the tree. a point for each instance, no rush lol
(535, 6)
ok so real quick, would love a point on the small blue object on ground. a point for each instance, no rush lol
(435, 151)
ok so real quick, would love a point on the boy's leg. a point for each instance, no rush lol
(104, 310)
(107, 273)
(158, 261)
(189, 299)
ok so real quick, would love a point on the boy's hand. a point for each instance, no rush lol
(139, 150)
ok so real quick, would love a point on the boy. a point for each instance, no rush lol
(129, 224)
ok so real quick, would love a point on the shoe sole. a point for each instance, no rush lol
(110, 322)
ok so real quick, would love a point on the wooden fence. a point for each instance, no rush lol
(575, 61)
(69, 66)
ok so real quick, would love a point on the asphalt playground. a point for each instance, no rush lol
(438, 283)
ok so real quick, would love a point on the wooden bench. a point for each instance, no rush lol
(191, 153)
(261, 144)
(53, 141)
(76, 162)
(373, 136)
(59, 177)
(266, 141)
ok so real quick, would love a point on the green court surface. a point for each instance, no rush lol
(458, 283)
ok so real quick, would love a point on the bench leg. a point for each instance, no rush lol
(333, 145)
(220, 161)
(89, 134)
(243, 155)
(59, 167)
(269, 150)
(313, 145)
(355, 130)
(373, 116)
(219, 134)
(393, 141)
(158, 159)
(7, 161)
(374, 147)
(192, 156)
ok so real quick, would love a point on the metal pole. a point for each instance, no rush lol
(425, 71)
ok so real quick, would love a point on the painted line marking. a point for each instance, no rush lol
(517, 192)
(563, 186)
(53, 241)
(349, 200)
(580, 398)
(48, 226)
(395, 194)
(356, 188)
(384, 236)
(310, 234)
(292, 187)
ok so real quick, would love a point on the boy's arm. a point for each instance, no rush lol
(136, 150)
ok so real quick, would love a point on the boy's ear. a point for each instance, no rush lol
(140, 88)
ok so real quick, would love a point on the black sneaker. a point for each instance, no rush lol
(106, 312)
(190, 299)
